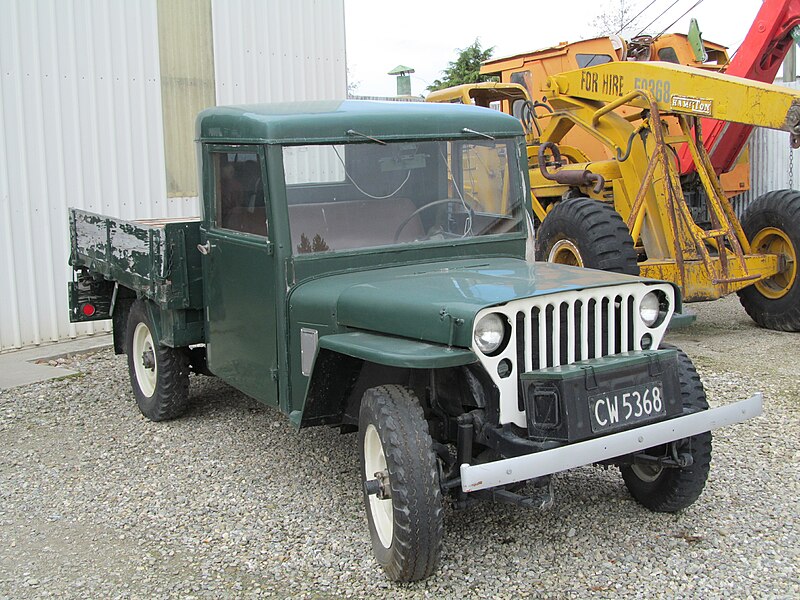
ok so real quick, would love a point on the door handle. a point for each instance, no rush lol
(205, 249)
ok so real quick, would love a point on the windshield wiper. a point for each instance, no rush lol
(364, 135)
(486, 135)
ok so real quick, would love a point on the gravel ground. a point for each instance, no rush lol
(95, 501)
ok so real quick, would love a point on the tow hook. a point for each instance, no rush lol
(676, 461)
(379, 486)
(542, 497)
(682, 459)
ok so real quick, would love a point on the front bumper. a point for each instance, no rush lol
(521, 468)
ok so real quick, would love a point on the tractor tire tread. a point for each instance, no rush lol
(780, 209)
(596, 229)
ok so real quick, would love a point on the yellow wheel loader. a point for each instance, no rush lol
(700, 245)
(635, 212)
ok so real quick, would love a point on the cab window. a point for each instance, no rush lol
(523, 78)
(591, 60)
(344, 197)
(239, 192)
(668, 55)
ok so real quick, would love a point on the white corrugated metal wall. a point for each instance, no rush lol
(81, 123)
(279, 51)
(771, 161)
(81, 126)
(298, 51)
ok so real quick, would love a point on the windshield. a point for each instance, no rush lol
(349, 196)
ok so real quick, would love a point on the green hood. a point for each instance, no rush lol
(434, 302)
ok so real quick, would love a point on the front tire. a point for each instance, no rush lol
(405, 519)
(772, 225)
(587, 233)
(159, 374)
(669, 490)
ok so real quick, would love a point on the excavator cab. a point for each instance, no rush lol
(510, 98)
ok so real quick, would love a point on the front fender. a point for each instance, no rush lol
(333, 391)
(397, 352)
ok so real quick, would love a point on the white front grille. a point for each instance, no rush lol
(562, 328)
(561, 332)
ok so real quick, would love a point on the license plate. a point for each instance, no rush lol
(620, 408)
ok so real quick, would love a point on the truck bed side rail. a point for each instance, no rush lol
(150, 257)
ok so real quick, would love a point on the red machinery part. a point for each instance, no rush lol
(758, 58)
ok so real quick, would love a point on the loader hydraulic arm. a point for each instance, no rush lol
(701, 247)
(684, 90)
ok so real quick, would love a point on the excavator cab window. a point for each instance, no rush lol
(668, 54)
(590, 60)
(520, 109)
(522, 78)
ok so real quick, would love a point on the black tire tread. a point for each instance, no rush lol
(677, 489)
(599, 232)
(781, 209)
(414, 475)
(171, 396)
(175, 390)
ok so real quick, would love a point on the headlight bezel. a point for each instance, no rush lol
(499, 326)
(658, 308)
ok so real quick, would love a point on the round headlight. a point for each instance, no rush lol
(489, 333)
(650, 308)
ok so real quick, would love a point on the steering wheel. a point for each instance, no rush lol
(425, 207)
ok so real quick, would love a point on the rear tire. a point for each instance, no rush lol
(772, 225)
(159, 374)
(406, 528)
(672, 489)
(587, 233)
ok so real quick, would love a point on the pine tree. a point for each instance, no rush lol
(466, 68)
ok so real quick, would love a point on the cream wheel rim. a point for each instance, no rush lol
(772, 240)
(380, 509)
(565, 252)
(144, 359)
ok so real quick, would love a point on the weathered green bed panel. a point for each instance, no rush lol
(156, 259)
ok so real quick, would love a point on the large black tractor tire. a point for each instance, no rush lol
(772, 225)
(587, 233)
(673, 489)
(159, 374)
(405, 518)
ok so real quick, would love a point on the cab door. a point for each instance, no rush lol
(239, 271)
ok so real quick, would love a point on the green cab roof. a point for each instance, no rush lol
(330, 121)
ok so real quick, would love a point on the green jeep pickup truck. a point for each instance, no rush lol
(362, 265)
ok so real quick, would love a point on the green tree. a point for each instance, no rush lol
(466, 68)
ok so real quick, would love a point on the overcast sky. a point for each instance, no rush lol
(424, 34)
